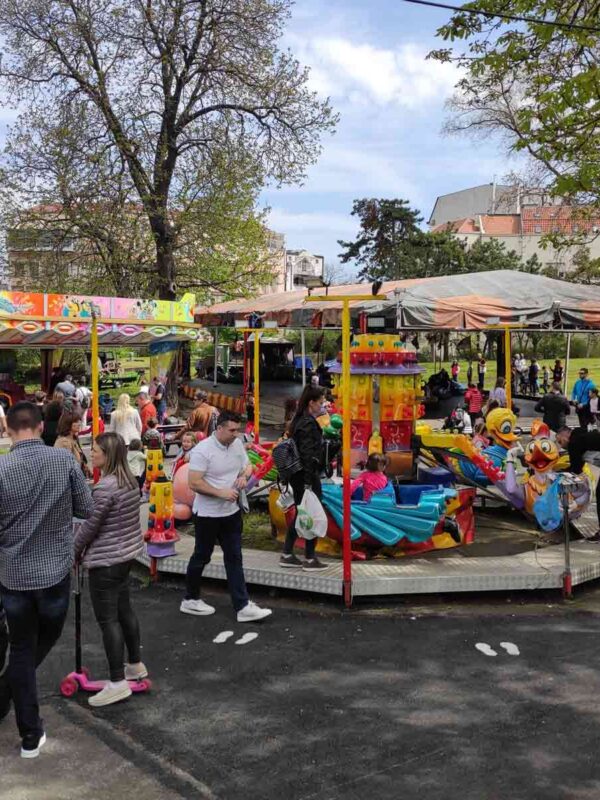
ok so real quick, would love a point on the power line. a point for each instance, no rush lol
(500, 15)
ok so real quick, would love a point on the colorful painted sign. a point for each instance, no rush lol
(74, 306)
(21, 303)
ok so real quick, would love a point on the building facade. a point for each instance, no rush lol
(300, 266)
(489, 198)
(528, 218)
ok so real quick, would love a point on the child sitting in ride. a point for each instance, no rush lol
(188, 442)
(373, 478)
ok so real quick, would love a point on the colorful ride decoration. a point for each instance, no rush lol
(405, 520)
(464, 459)
(155, 467)
(160, 535)
(57, 319)
(392, 364)
(537, 491)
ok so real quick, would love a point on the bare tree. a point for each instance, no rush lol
(168, 88)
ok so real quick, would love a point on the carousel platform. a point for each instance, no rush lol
(501, 559)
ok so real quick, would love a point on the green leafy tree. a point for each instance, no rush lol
(534, 84)
(386, 232)
(391, 246)
(165, 90)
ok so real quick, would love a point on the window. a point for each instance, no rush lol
(537, 229)
(537, 214)
(34, 270)
(575, 228)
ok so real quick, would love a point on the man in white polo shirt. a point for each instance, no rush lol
(219, 470)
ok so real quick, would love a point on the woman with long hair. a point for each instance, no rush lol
(68, 429)
(306, 432)
(52, 413)
(125, 420)
(107, 543)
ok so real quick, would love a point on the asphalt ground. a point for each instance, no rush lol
(371, 704)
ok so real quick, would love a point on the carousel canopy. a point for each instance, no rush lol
(58, 320)
(473, 301)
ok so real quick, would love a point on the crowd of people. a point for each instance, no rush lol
(527, 377)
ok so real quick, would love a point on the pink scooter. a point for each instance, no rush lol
(80, 678)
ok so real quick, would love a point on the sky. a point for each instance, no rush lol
(369, 58)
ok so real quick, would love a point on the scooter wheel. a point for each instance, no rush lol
(146, 684)
(68, 687)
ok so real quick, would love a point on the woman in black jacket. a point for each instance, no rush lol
(306, 432)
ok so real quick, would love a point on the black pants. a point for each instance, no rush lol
(4, 687)
(585, 417)
(297, 484)
(35, 621)
(227, 531)
(109, 591)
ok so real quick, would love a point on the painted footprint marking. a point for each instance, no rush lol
(222, 637)
(247, 637)
(485, 649)
(511, 648)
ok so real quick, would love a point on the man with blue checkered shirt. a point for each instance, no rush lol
(41, 490)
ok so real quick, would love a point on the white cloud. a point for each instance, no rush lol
(364, 73)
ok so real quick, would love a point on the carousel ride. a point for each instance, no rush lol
(433, 476)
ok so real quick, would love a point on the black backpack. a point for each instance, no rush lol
(287, 459)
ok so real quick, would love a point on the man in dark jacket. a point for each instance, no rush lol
(578, 442)
(555, 408)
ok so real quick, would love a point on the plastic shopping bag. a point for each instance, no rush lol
(311, 519)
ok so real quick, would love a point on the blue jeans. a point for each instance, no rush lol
(35, 622)
(227, 531)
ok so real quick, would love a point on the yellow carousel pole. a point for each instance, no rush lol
(95, 386)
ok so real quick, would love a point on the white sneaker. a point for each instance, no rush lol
(198, 607)
(112, 693)
(252, 613)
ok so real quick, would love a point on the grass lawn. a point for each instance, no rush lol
(593, 364)
(257, 532)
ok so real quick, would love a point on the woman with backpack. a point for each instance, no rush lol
(308, 437)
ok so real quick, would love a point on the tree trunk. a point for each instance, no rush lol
(164, 237)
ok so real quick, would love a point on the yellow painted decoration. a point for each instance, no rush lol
(154, 465)
(375, 443)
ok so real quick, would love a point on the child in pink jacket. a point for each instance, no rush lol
(373, 479)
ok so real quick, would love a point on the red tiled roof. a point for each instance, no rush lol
(491, 224)
(558, 219)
